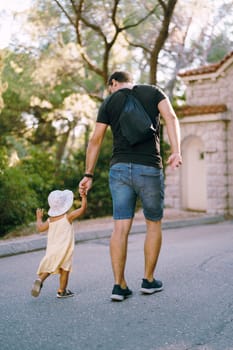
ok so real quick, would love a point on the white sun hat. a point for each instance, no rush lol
(60, 202)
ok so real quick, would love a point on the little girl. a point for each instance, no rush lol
(60, 243)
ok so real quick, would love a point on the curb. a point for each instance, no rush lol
(26, 245)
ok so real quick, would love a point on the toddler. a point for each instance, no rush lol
(60, 242)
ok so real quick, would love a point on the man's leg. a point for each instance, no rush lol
(152, 247)
(118, 249)
(124, 200)
(151, 187)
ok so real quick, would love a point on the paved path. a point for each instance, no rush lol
(102, 227)
(194, 312)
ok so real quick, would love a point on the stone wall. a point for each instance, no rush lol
(218, 91)
(208, 91)
(212, 130)
(216, 132)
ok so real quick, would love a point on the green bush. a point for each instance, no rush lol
(18, 200)
(3, 159)
(41, 170)
(26, 186)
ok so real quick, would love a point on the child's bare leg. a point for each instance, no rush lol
(43, 276)
(38, 284)
(64, 277)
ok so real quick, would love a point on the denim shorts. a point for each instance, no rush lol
(129, 181)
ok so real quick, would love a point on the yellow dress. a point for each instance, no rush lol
(60, 247)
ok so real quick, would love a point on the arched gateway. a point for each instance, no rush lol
(193, 174)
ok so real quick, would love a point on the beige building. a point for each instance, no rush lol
(205, 180)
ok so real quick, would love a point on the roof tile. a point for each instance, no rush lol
(211, 68)
(200, 110)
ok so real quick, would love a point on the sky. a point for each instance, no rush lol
(7, 23)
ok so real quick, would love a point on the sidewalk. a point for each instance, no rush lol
(102, 227)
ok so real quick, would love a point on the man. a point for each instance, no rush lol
(135, 171)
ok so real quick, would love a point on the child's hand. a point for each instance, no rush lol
(39, 213)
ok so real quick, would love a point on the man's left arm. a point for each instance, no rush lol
(173, 128)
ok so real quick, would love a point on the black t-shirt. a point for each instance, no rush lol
(146, 153)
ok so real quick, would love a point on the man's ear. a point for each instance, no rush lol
(114, 82)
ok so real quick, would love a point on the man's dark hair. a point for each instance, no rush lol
(122, 77)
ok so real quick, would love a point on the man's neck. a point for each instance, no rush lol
(125, 85)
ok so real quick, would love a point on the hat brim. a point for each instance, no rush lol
(67, 205)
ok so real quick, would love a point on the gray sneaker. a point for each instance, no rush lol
(119, 294)
(151, 287)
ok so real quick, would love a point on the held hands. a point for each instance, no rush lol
(175, 160)
(85, 185)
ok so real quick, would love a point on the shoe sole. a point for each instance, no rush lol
(151, 290)
(36, 288)
(117, 297)
(64, 296)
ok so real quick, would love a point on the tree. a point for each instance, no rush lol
(39, 110)
(199, 35)
(58, 70)
(100, 30)
(3, 87)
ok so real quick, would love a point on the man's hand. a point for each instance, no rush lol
(175, 160)
(85, 185)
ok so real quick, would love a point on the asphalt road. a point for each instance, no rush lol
(194, 312)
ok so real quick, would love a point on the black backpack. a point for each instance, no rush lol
(135, 123)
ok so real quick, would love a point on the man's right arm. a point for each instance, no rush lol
(92, 154)
(173, 129)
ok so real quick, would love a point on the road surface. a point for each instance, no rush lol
(194, 312)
